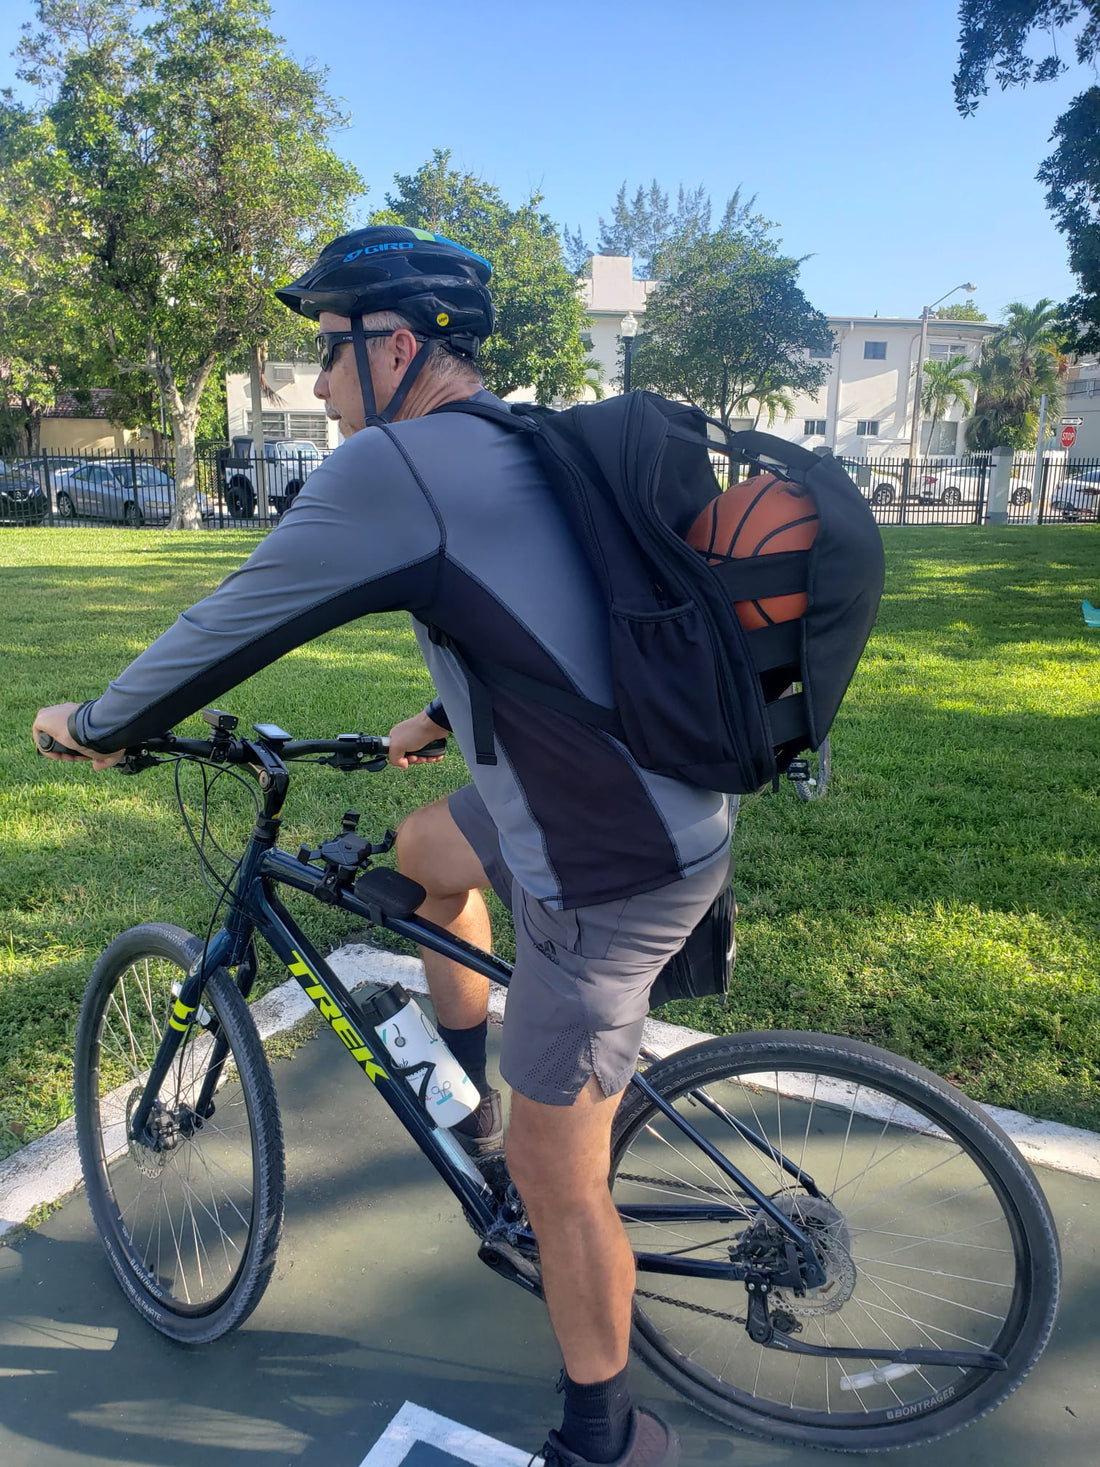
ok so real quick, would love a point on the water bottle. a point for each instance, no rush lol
(419, 1054)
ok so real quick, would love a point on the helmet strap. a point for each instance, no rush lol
(366, 382)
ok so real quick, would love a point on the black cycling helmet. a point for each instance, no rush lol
(437, 285)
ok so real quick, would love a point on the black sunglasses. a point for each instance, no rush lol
(328, 341)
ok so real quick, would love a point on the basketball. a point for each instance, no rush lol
(760, 516)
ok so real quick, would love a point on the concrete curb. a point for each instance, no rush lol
(49, 1169)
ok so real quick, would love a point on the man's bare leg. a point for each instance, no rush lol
(433, 851)
(559, 1157)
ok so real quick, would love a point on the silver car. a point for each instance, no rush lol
(116, 489)
(1077, 497)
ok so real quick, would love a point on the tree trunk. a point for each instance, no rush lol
(184, 410)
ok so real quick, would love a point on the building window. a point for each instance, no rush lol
(874, 351)
(821, 354)
(279, 374)
(277, 426)
(942, 351)
(945, 440)
(867, 428)
(814, 428)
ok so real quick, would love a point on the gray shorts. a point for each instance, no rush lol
(579, 994)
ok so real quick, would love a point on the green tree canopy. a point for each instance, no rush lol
(540, 315)
(648, 227)
(1020, 364)
(730, 329)
(191, 158)
(993, 40)
(966, 311)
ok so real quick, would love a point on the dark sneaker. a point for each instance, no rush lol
(651, 1443)
(481, 1135)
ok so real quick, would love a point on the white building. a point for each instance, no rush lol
(1082, 400)
(865, 408)
(293, 412)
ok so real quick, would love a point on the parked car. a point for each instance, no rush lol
(120, 490)
(1077, 497)
(953, 483)
(881, 485)
(21, 500)
(287, 464)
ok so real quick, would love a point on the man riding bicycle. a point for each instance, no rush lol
(606, 867)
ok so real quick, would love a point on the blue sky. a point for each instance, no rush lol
(837, 114)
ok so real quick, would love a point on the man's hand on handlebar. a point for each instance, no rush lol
(414, 733)
(53, 740)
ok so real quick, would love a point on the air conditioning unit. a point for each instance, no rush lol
(279, 374)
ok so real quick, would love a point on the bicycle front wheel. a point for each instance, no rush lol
(931, 1228)
(190, 1218)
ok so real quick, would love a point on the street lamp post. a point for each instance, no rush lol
(925, 317)
(628, 330)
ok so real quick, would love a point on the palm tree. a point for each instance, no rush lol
(1031, 330)
(1018, 366)
(945, 385)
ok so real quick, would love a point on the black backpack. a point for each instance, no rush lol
(697, 696)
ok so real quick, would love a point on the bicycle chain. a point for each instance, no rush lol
(672, 1183)
(692, 1308)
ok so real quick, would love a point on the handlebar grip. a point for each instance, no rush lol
(49, 745)
(429, 751)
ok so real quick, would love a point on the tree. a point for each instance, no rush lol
(730, 329)
(993, 38)
(967, 311)
(945, 384)
(191, 158)
(1020, 364)
(648, 228)
(540, 315)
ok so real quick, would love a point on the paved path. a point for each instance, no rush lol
(377, 1300)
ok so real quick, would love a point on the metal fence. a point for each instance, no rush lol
(242, 489)
(135, 489)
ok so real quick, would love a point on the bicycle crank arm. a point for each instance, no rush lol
(966, 1359)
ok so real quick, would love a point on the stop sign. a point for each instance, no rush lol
(1069, 436)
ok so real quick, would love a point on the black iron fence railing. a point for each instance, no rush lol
(242, 490)
(136, 489)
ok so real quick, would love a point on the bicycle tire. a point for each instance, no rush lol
(960, 1200)
(817, 786)
(190, 1230)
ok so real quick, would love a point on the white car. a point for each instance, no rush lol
(1077, 497)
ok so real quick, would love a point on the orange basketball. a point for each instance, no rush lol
(760, 516)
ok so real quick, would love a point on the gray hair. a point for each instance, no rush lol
(442, 361)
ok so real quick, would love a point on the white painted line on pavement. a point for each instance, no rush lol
(415, 1424)
(48, 1169)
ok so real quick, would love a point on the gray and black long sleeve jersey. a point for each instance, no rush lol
(451, 518)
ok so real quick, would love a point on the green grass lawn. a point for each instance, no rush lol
(943, 901)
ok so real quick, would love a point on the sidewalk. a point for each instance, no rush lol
(377, 1300)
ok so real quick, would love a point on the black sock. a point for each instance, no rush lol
(597, 1418)
(468, 1048)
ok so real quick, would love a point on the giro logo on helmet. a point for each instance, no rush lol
(398, 244)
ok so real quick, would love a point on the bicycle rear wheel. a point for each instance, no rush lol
(932, 1230)
(190, 1224)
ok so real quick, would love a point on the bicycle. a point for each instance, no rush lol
(834, 1247)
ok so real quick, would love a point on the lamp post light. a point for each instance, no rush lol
(925, 317)
(628, 330)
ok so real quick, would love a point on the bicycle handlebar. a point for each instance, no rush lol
(353, 747)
